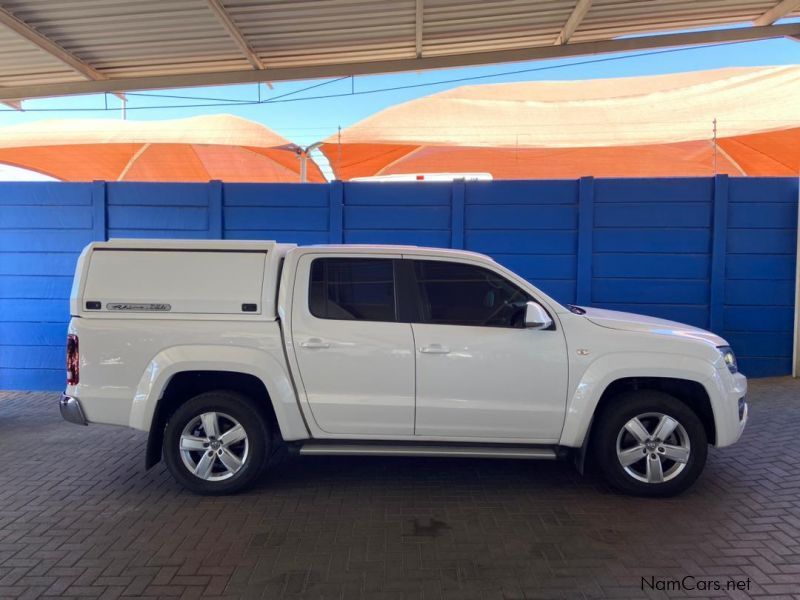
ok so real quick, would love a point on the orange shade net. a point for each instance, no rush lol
(657, 126)
(196, 149)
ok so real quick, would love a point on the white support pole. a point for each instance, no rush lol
(303, 154)
(303, 166)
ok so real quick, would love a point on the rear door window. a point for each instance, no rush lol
(353, 289)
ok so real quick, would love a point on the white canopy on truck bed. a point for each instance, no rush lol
(157, 277)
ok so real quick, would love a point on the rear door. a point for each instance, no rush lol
(355, 357)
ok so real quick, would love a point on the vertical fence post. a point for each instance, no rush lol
(336, 207)
(215, 210)
(796, 333)
(99, 211)
(719, 248)
(583, 283)
(457, 195)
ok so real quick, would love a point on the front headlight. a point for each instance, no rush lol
(729, 357)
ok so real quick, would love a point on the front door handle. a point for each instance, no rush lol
(314, 344)
(435, 349)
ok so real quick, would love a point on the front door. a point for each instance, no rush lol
(480, 373)
(356, 360)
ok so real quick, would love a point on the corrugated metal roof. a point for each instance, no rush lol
(162, 43)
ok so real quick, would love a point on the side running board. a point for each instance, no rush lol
(446, 450)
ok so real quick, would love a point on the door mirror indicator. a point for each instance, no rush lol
(536, 317)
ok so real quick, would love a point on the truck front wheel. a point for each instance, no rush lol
(216, 443)
(649, 443)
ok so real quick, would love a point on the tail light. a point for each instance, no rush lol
(73, 360)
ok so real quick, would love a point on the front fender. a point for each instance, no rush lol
(611, 367)
(251, 361)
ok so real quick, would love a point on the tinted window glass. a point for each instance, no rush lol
(352, 289)
(459, 294)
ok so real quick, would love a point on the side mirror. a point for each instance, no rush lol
(536, 317)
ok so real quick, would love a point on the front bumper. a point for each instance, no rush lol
(71, 410)
(743, 410)
(731, 410)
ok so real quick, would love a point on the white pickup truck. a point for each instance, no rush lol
(225, 351)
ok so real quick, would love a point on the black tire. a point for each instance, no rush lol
(231, 408)
(648, 404)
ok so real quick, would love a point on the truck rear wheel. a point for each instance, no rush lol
(649, 443)
(216, 443)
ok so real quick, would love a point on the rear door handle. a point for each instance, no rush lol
(435, 349)
(314, 343)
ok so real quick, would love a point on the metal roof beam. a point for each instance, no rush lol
(780, 10)
(418, 27)
(394, 66)
(573, 21)
(27, 32)
(233, 30)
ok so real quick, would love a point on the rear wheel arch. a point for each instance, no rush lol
(185, 385)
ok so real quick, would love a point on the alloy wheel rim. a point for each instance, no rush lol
(653, 447)
(214, 446)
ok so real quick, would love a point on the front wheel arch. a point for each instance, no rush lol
(690, 392)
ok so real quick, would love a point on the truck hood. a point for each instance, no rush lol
(623, 321)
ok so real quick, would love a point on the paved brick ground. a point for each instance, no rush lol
(79, 518)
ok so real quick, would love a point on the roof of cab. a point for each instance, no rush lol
(392, 249)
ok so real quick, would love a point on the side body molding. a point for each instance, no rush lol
(620, 365)
(251, 361)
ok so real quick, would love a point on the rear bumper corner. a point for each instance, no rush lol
(71, 410)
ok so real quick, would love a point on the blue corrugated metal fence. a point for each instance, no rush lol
(718, 252)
